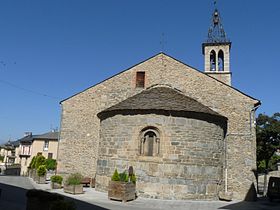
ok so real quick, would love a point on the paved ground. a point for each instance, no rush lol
(12, 192)
(14, 189)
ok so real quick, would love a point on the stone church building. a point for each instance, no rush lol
(188, 134)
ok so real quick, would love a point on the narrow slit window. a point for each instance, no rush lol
(140, 79)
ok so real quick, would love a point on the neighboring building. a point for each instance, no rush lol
(31, 145)
(9, 154)
(188, 134)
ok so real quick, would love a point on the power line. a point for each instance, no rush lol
(28, 90)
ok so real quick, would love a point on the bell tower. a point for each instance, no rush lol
(216, 51)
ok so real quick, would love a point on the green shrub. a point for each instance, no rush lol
(115, 176)
(272, 165)
(56, 179)
(40, 160)
(133, 178)
(51, 164)
(123, 177)
(41, 171)
(74, 179)
(33, 162)
(1, 158)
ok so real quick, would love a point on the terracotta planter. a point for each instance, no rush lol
(41, 179)
(32, 174)
(35, 177)
(123, 191)
(73, 189)
(55, 185)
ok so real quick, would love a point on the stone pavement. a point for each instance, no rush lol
(14, 189)
(101, 199)
(12, 192)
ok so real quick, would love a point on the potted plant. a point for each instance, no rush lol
(41, 172)
(56, 181)
(122, 186)
(40, 160)
(51, 164)
(73, 184)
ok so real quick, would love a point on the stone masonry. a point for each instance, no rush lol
(80, 126)
(189, 163)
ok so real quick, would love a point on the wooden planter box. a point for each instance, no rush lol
(122, 191)
(55, 185)
(73, 189)
(41, 179)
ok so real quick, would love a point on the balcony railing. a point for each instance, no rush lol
(24, 154)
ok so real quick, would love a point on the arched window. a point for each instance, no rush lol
(221, 60)
(149, 144)
(212, 60)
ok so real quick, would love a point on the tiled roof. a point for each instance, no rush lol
(50, 135)
(53, 135)
(161, 98)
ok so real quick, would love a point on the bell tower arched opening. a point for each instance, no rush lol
(213, 60)
(221, 61)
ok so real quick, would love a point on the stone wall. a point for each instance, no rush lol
(79, 139)
(189, 165)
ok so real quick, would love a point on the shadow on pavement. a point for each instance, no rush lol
(14, 198)
(260, 204)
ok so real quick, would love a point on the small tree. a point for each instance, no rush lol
(268, 141)
(51, 164)
(40, 160)
(41, 171)
(115, 176)
(33, 162)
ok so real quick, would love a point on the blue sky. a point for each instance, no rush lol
(52, 49)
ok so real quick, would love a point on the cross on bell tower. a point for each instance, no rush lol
(216, 50)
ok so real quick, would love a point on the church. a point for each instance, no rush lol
(188, 134)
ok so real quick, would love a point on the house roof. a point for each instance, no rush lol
(26, 139)
(161, 98)
(9, 145)
(161, 53)
(52, 135)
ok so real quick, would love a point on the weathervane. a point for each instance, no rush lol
(216, 32)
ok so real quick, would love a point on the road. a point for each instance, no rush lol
(14, 189)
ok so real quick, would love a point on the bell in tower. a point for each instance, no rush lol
(216, 51)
